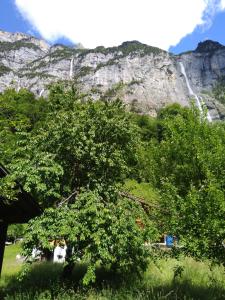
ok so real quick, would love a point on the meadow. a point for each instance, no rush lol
(165, 278)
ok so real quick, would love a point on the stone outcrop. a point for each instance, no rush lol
(205, 67)
(147, 78)
(208, 46)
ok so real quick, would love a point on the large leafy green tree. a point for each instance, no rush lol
(187, 165)
(102, 231)
(74, 161)
(80, 144)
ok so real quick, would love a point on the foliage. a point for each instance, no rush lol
(62, 53)
(113, 92)
(143, 190)
(125, 49)
(8, 46)
(74, 155)
(19, 111)
(219, 91)
(135, 82)
(90, 144)
(102, 231)
(172, 111)
(15, 231)
(90, 149)
(85, 70)
(4, 69)
(110, 62)
(187, 165)
(148, 127)
(135, 46)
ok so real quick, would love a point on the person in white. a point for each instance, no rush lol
(59, 253)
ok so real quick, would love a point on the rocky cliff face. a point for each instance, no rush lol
(205, 67)
(147, 78)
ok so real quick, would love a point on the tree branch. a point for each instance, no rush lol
(67, 199)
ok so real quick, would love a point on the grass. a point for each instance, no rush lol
(165, 278)
(11, 266)
(142, 190)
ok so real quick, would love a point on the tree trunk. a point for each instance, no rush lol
(3, 233)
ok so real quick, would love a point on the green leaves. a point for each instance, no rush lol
(219, 91)
(77, 153)
(102, 233)
(72, 143)
(187, 165)
(93, 143)
(19, 112)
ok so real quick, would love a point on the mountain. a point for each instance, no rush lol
(147, 78)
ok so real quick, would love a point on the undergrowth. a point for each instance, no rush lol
(166, 278)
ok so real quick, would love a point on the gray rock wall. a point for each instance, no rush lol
(146, 78)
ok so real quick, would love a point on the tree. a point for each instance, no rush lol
(16, 231)
(19, 111)
(74, 161)
(81, 144)
(103, 232)
(147, 126)
(187, 165)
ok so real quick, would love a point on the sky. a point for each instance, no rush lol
(173, 25)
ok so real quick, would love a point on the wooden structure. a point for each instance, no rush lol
(16, 211)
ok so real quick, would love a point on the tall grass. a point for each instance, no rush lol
(10, 266)
(164, 279)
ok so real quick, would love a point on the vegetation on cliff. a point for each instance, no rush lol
(17, 45)
(219, 91)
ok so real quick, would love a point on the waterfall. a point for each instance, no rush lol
(71, 68)
(18, 86)
(41, 92)
(191, 93)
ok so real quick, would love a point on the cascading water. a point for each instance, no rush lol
(18, 86)
(191, 93)
(71, 68)
(41, 92)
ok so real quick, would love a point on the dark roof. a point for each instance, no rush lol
(20, 210)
